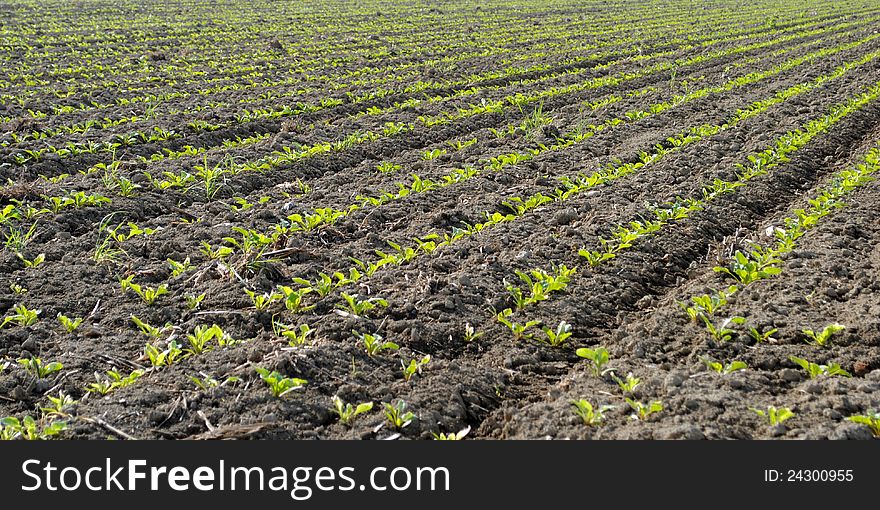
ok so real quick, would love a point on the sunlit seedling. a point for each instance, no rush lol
(871, 419)
(278, 384)
(823, 338)
(37, 368)
(70, 325)
(723, 369)
(815, 370)
(414, 367)
(591, 416)
(628, 384)
(598, 357)
(397, 415)
(456, 436)
(347, 412)
(374, 343)
(773, 415)
(644, 411)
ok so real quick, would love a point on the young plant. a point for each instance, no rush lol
(30, 264)
(557, 337)
(414, 367)
(193, 301)
(296, 335)
(159, 358)
(148, 294)
(113, 381)
(644, 411)
(755, 266)
(59, 404)
(178, 268)
(822, 338)
(629, 384)
(200, 339)
(722, 333)
(470, 334)
(722, 369)
(773, 415)
(373, 343)
(38, 369)
(815, 370)
(263, 301)
(591, 416)
(206, 382)
(870, 418)
(598, 357)
(28, 429)
(278, 384)
(397, 415)
(518, 330)
(360, 308)
(69, 324)
(23, 316)
(766, 336)
(456, 436)
(347, 412)
(150, 331)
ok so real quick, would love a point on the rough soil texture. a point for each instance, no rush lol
(497, 386)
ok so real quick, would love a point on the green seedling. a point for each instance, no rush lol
(823, 338)
(755, 266)
(263, 301)
(723, 369)
(815, 370)
(207, 382)
(17, 288)
(148, 294)
(193, 301)
(373, 343)
(150, 331)
(59, 404)
(69, 324)
(28, 429)
(386, 167)
(766, 336)
(722, 333)
(113, 381)
(23, 316)
(397, 415)
(470, 334)
(200, 339)
(773, 415)
(296, 335)
(414, 367)
(218, 253)
(456, 436)
(518, 330)
(591, 416)
(871, 419)
(348, 412)
(278, 384)
(598, 357)
(644, 411)
(629, 384)
(707, 303)
(559, 336)
(30, 264)
(178, 268)
(360, 308)
(159, 358)
(294, 300)
(38, 369)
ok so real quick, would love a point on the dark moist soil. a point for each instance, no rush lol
(499, 387)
